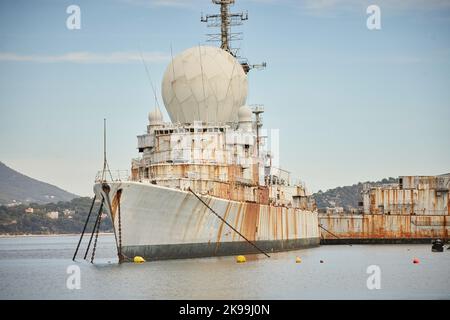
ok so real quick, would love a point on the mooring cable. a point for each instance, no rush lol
(84, 228)
(320, 226)
(95, 226)
(96, 238)
(119, 195)
(217, 215)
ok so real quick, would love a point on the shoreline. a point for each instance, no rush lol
(48, 235)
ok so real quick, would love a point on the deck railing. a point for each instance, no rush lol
(113, 175)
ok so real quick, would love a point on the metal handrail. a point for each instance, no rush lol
(116, 175)
(177, 155)
(124, 175)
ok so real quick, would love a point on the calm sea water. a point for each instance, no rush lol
(36, 268)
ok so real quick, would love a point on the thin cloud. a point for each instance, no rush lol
(87, 57)
(195, 4)
(324, 5)
(165, 3)
(313, 5)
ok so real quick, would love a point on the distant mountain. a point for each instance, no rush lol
(347, 196)
(18, 188)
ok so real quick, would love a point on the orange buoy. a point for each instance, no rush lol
(415, 261)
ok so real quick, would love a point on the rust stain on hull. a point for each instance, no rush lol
(115, 204)
(254, 221)
(385, 226)
(249, 222)
(219, 232)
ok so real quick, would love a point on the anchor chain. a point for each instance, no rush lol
(120, 228)
(96, 237)
(93, 230)
(84, 228)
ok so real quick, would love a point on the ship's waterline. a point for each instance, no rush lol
(201, 250)
(163, 223)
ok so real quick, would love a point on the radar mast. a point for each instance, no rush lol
(225, 20)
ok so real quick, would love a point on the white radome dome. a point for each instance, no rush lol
(155, 117)
(245, 114)
(204, 84)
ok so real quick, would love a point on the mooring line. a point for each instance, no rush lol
(84, 228)
(320, 226)
(218, 216)
(119, 195)
(96, 238)
(95, 226)
(122, 257)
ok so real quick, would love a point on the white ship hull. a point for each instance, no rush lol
(164, 223)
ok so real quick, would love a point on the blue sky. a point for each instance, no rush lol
(351, 104)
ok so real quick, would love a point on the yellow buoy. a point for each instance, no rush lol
(298, 260)
(138, 259)
(240, 259)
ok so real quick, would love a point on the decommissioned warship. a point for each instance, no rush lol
(205, 184)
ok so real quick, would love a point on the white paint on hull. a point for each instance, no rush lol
(156, 215)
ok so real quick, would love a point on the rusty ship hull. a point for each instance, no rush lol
(377, 228)
(414, 210)
(157, 223)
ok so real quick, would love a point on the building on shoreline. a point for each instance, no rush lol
(53, 215)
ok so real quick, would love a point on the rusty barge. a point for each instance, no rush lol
(215, 148)
(414, 210)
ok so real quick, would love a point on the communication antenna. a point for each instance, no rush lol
(258, 110)
(203, 85)
(173, 77)
(105, 161)
(225, 20)
(150, 80)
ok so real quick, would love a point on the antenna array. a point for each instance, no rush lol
(225, 20)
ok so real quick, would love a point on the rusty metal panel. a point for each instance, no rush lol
(429, 197)
(441, 182)
(385, 226)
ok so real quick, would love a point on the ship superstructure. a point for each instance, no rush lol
(414, 209)
(219, 160)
